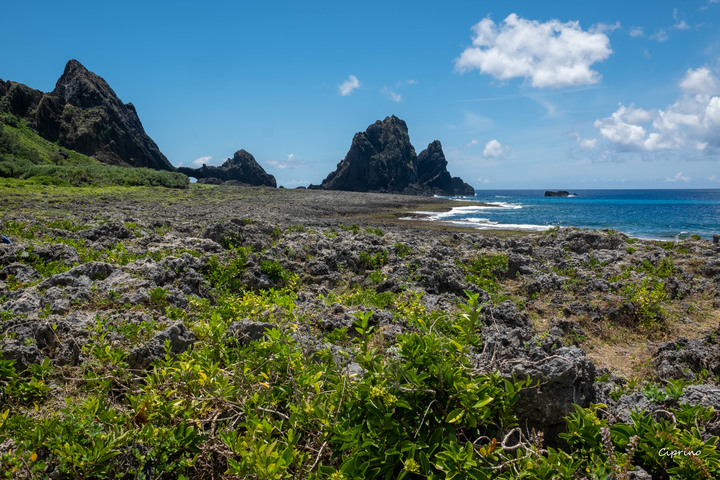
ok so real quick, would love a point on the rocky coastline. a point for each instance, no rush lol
(567, 309)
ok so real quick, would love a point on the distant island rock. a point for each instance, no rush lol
(83, 114)
(382, 159)
(560, 193)
(241, 169)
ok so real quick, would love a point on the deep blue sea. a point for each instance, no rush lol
(657, 214)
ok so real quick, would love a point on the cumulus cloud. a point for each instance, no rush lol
(699, 82)
(550, 54)
(472, 143)
(495, 149)
(678, 177)
(349, 86)
(199, 162)
(693, 121)
(390, 94)
(636, 32)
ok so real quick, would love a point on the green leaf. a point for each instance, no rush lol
(455, 416)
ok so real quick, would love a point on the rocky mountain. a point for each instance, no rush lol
(382, 159)
(84, 114)
(241, 169)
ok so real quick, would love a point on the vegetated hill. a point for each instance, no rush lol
(26, 155)
(382, 159)
(84, 114)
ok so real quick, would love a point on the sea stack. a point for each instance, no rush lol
(382, 159)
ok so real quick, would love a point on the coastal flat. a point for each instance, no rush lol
(220, 202)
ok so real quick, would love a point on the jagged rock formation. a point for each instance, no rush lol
(382, 159)
(241, 169)
(83, 113)
(432, 172)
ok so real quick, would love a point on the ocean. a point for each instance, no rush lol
(655, 214)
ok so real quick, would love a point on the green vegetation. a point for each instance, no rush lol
(26, 155)
(302, 399)
(272, 409)
(485, 271)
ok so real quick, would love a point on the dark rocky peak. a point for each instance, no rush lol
(390, 136)
(80, 87)
(241, 169)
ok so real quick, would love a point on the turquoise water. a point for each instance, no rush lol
(658, 214)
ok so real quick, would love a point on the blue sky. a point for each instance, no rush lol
(524, 94)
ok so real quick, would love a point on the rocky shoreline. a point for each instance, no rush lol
(583, 314)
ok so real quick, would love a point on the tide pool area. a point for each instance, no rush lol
(654, 214)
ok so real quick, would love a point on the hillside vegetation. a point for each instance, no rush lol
(26, 155)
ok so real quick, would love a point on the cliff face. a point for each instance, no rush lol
(382, 159)
(84, 114)
(240, 169)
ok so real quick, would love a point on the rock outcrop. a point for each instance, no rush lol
(559, 193)
(84, 114)
(241, 169)
(382, 159)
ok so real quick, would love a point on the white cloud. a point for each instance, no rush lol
(495, 149)
(693, 121)
(585, 143)
(660, 36)
(290, 163)
(636, 32)
(483, 180)
(349, 86)
(412, 82)
(550, 54)
(663, 34)
(472, 142)
(699, 82)
(679, 25)
(679, 177)
(199, 162)
(390, 94)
